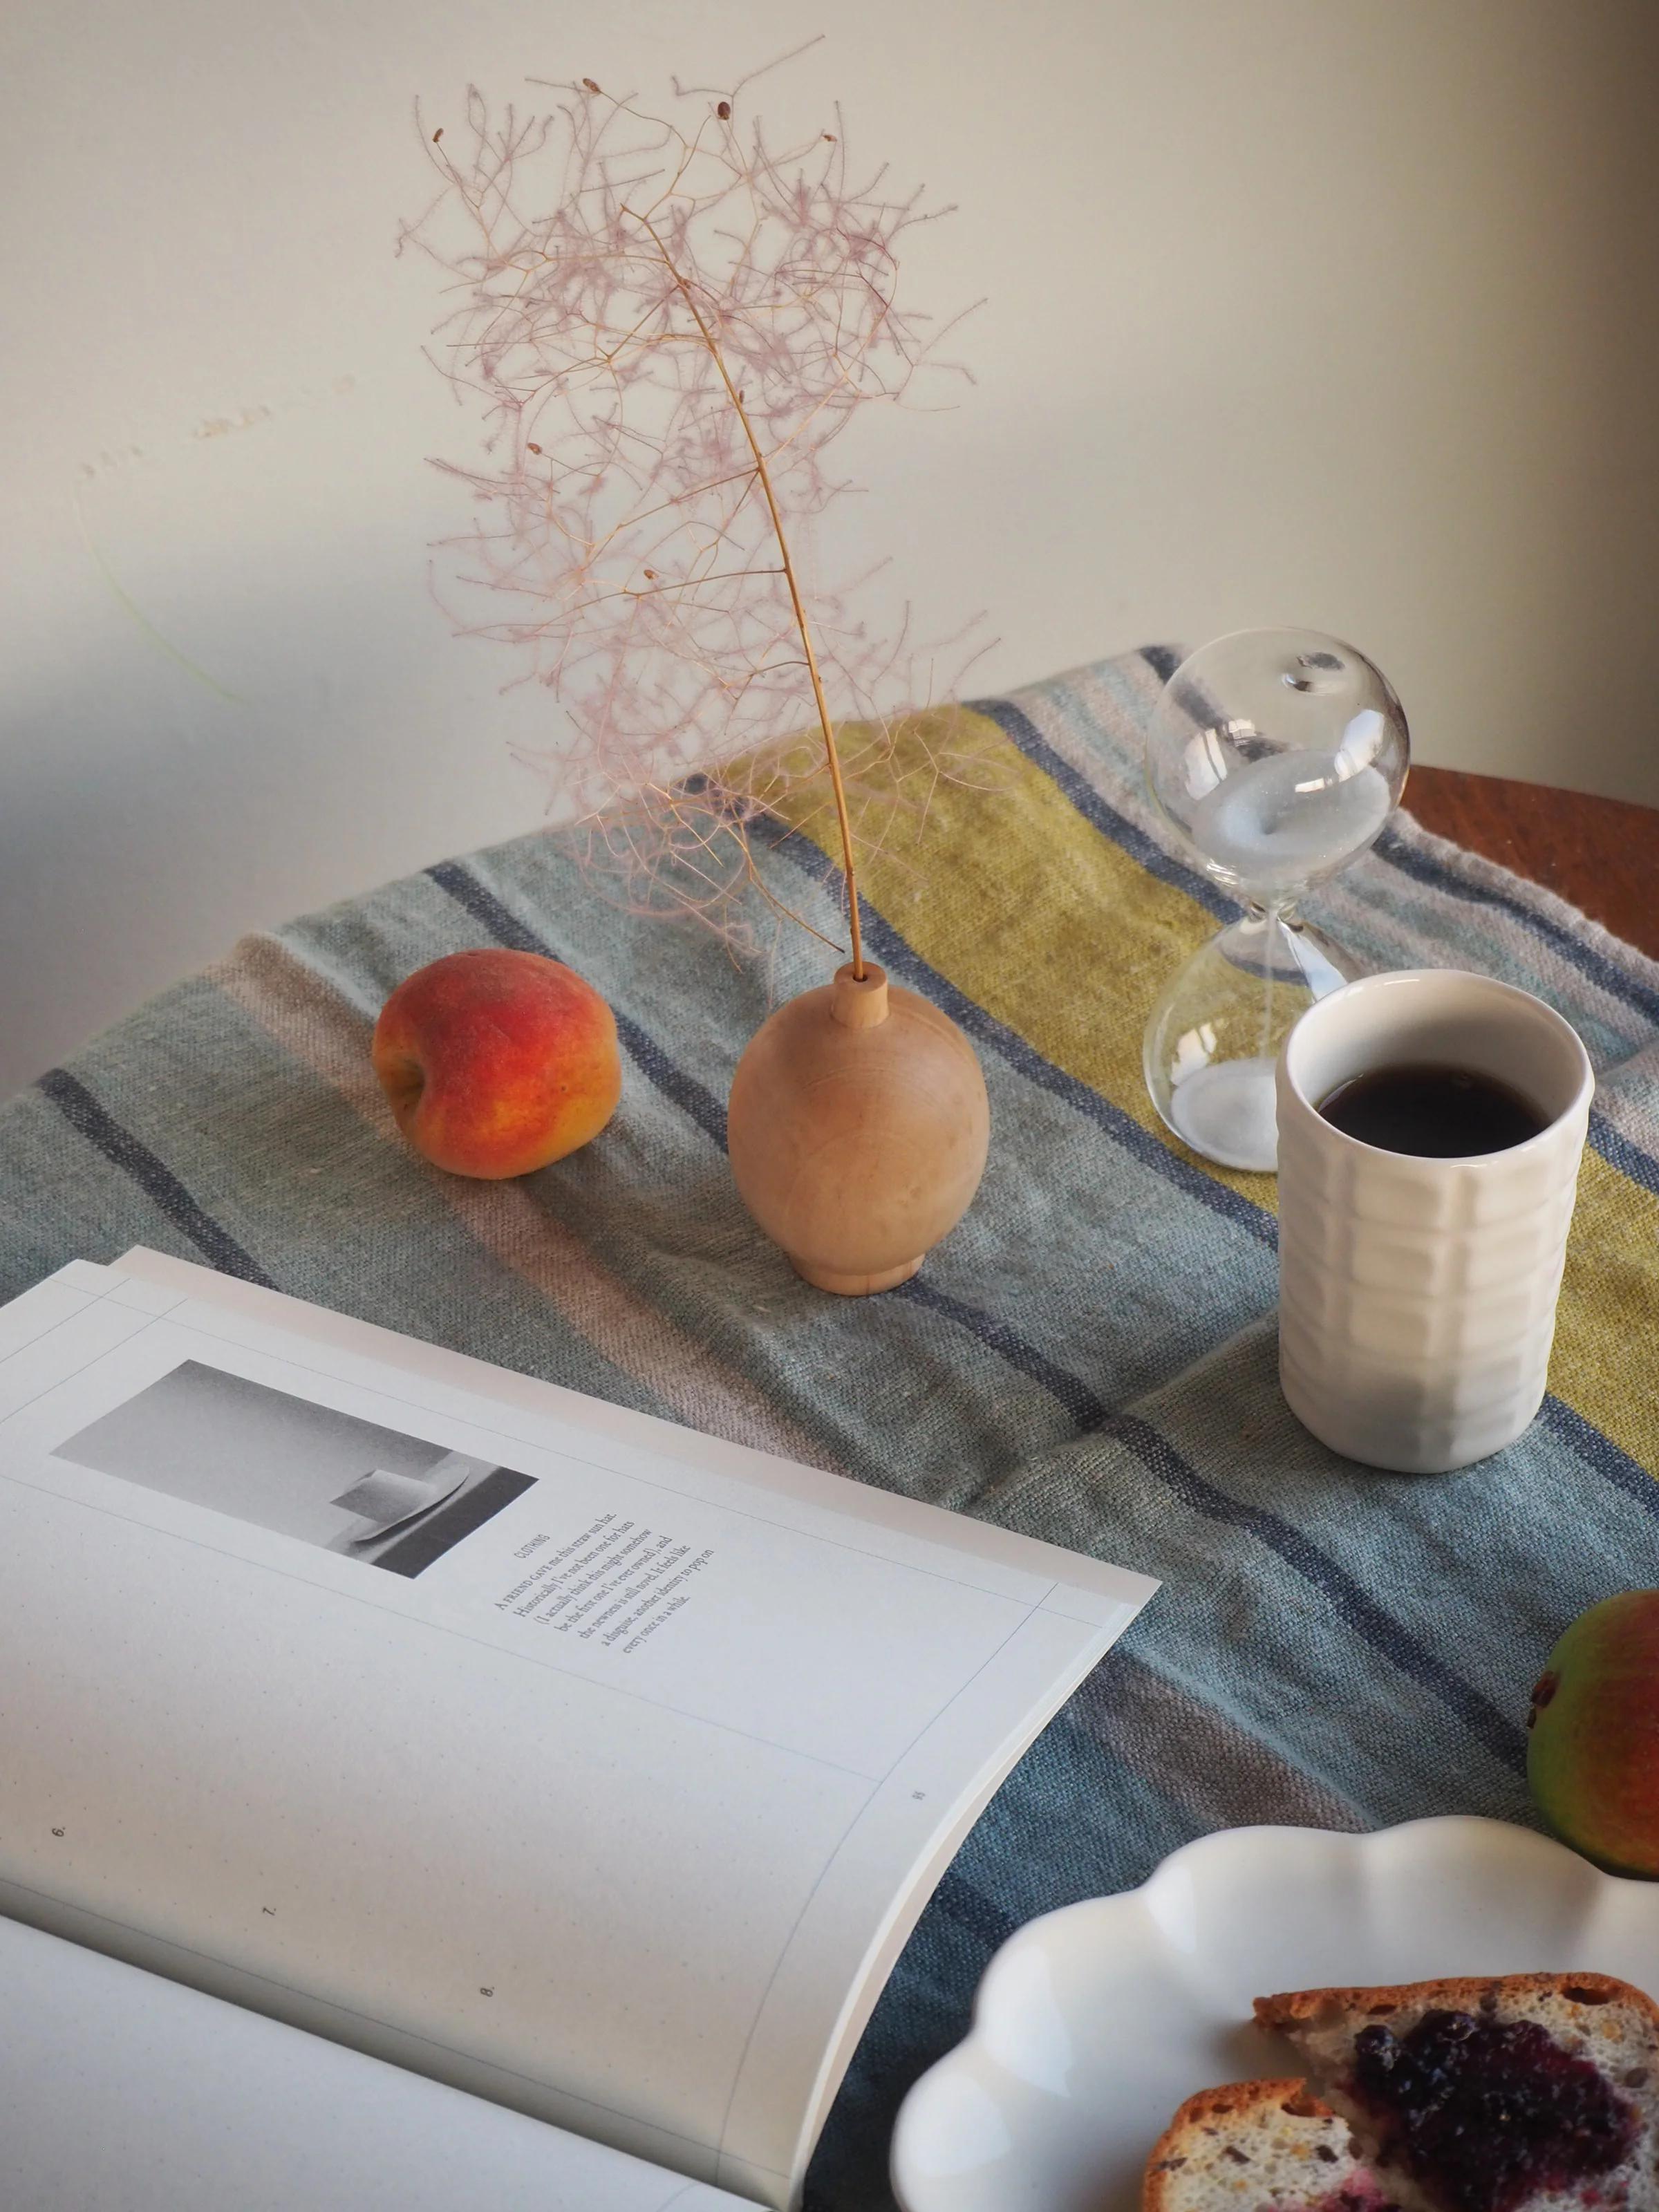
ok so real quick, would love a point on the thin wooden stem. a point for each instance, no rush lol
(795, 600)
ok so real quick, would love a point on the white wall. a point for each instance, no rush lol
(1337, 311)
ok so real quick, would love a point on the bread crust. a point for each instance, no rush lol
(1233, 2102)
(1608, 2023)
(1184, 2169)
(1304, 2008)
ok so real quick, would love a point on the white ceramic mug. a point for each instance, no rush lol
(1417, 1296)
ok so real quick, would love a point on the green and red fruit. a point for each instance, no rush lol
(1593, 1751)
(497, 1062)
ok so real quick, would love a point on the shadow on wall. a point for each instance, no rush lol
(150, 820)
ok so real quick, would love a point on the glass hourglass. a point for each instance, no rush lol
(1279, 754)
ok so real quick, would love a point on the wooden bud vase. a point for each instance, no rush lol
(858, 1128)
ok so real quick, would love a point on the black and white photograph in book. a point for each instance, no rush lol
(301, 1469)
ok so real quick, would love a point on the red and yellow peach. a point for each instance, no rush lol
(496, 1063)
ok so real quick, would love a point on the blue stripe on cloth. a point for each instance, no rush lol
(1161, 1458)
(1614, 1146)
(1617, 1150)
(1599, 1452)
(1297, 1550)
(899, 958)
(1017, 724)
(1087, 1410)
(1361, 1610)
(481, 903)
(704, 1109)
(1069, 1391)
(1156, 1454)
(1075, 1395)
(505, 926)
(1392, 848)
(970, 1909)
(1421, 868)
(157, 1181)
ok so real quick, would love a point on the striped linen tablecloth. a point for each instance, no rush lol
(1090, 1357)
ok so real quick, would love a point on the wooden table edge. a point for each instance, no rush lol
(1602, 855)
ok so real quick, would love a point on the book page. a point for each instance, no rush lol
(120, 2089)
(548, 1748)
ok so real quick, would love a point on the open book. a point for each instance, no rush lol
(590, 1771)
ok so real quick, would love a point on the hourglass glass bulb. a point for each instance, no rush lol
(1278, 755)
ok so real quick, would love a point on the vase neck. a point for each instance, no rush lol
(859, 1002)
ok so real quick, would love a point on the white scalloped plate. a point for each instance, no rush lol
(1093, 2023)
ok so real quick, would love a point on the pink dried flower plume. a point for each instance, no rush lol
(662, 357)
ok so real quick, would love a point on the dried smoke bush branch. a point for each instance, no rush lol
(662, 349)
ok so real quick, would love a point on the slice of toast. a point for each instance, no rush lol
(1520, 2093)
(1257, 2143)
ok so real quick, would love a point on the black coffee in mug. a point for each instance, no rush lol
(1438, 1113)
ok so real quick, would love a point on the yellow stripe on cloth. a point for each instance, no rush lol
(999, 885)
(1603, 1365)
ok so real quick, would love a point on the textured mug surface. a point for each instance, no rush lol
(1417, 1296)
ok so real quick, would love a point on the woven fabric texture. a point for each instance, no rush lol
(1090, 1357)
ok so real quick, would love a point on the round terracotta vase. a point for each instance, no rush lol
(858, 1129)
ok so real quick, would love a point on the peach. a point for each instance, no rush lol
(496, 1062)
